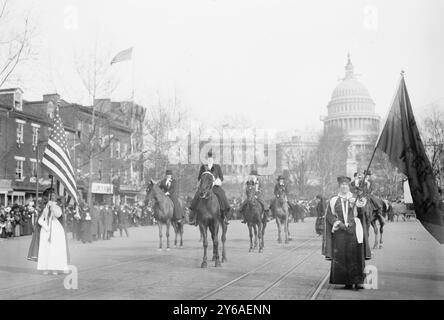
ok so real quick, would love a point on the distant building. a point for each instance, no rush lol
(352, 109)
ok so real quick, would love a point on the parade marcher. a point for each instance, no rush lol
(254, 180)
(2, 223)
(96, 222)
(216, 170)
(320, 214)
(344, 238)
(53, 252)
(17, 215)
(169, 186)
(357, 185)
(122, 219)
(368, 192)
(9, 228)
(85, 223)
(27, 219)
(107, 222)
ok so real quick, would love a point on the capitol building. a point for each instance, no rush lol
(352, 109)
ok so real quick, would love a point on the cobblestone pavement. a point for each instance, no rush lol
(409, 266)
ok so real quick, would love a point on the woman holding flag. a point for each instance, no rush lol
(53, 253)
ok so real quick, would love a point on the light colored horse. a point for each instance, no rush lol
(281, 213)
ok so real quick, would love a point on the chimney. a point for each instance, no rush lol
(53, 97)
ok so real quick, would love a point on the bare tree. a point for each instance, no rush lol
(299, 166)
(93, 68)
(432, 132)
(166, 115)
(329, 159)
(15, 41)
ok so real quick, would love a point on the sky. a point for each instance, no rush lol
(274, 63)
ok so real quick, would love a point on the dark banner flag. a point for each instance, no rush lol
(400, 140)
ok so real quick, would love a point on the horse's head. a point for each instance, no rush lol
(205, 185)
(150, 190)
(281, 196)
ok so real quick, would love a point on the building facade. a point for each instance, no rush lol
(112, 145)
(352, 110)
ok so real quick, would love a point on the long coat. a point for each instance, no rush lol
(107, 215)
(96, 223)
(172, 190)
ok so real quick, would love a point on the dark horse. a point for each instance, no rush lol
(256, 219)
(280, 212)
(163, 213)
(374, 216)
(298, 211)
(209, 216)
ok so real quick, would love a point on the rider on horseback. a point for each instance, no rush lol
(168, 185)
(217, 189)
(280, 185)
(253, 179)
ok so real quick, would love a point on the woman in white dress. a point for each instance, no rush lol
(52, 248)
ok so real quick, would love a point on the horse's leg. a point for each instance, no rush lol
(261, 239)
(181, 234)
(216, 243)
(160, 235)
(168, 224)
(255, 235)
(278, 222)
(381, 230)
(250, 231)
(375, 229)
(223, 238)
(212, 231)
(286, 229)
(203, 231)
(264, 225)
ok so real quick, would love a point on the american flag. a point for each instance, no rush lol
(123, 55)
(56, 157)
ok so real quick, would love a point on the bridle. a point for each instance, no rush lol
(206, 193)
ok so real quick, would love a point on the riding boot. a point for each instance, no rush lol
(224, 216)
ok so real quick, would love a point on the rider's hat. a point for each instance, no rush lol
(342, 179)
(48, 191)
(254, 173)
(210, 153)
(169, 172)
(281, 177)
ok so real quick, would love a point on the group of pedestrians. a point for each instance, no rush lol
(17, 221)
(99, 222)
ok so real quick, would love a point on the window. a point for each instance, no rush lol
(33, 167)
(100, 169)
(111, 148)
(118, 149)
(35, 135)
(20, 126)
(19, 168)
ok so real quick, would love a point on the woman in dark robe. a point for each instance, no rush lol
(320, 213)
(85, 223)
(33, 251)
(27, 220)
(344, 239)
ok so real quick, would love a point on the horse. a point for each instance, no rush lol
(255, 218)
(163, 210)
(374, 216)
(298, 211)
(208, 215)
(178, 229)
(280, 212)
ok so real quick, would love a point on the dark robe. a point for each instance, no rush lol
(85, 225)
(220, 193)
(320, 217)
(33, 252)
(172, 190)
(342, 248)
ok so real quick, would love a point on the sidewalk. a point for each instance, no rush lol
(410, 266)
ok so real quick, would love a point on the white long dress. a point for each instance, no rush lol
(53, 253)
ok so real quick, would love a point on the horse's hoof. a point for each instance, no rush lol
(203, 265)
(160, 249)
(224, 259)
(260, 250)
(380, 246)
(218, 264)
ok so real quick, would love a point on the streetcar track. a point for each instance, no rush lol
(237, 279)
(313, 295)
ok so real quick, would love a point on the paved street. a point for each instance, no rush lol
(411, 265)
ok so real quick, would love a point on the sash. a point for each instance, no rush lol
(359, 229)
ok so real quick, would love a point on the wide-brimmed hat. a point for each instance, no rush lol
(281, 177)
(342, 179)
(48, 191)
(169, 172)
(210, 153)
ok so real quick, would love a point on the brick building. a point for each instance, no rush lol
(116, 137)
